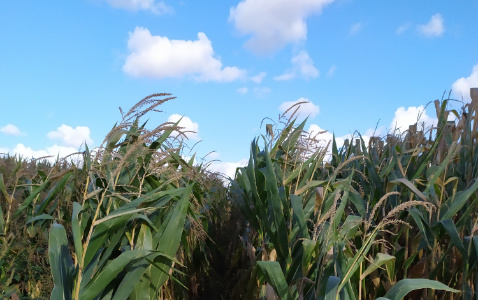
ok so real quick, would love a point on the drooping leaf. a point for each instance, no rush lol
(405, 286)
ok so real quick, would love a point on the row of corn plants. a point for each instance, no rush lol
(120, 226)
(396, 218)
(133, 219)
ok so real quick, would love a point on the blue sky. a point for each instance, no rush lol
(66, 67)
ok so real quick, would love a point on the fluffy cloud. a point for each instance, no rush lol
(189, 128)
(405, 117)
(71, 137)
(227, 168)
(434, 27)
(461, 87)
(307, 109)
(10, 129)
(160, 57)
(259, 77)
(325, 138)
(135, 5)
(302, 65)
(274, 24)
(51, 152)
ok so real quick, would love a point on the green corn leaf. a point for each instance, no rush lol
(170, 238)
(276, 209)
(331, 288)
(76, 230)
(271, 272)
(40, 217)
(405, 286)
(100, 233)
(31, 197)
(354, 263)
(459, 201)
(411, 187)
(422, 226)
(299, 217)
(441, 168)
(455, 237)
(135, 283)
(61, 263)
(379, 260)
(100, 282)
(54, 191)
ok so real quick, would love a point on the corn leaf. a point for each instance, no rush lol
(405, 286)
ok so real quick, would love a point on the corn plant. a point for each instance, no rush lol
(128, 225)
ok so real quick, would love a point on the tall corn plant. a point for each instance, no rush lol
(323, 230)
(128, 224)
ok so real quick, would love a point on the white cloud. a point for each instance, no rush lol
(227, 168)
(135, 5)
(160, 57)
(286, 76)
(53, 152)
(375, 131)
(405, 117)
(274, 24)
(402, 28)
(461, 87)
(307, 109)
(302, 65)
(259, 77)
(325, 138)
(242, 90)
(71, 137)
(356, 28)
(190, 128)
(434, 27)
(10, 129)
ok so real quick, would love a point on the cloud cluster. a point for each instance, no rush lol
(404, 117)
(461, 87)
(305, 110)
(53, 151)
(135, 5)
(10, 129)
(159, 57)
(71, 137)
(189, 128)
(227, 168)
(274, 24)
(434, 27)
(302, 65)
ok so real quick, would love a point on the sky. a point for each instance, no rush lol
(370, 66)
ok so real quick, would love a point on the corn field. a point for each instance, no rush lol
(396, 218)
